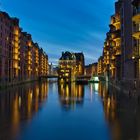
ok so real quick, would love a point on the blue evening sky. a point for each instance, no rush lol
(61, 25)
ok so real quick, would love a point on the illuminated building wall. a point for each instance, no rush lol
(23, 56)
(46, 64)
(118, 46)
(94, 69)
(43, 63)
(106, 60)
(70, 66)
(20, 58)
(80, 63)
(115, 42)
(15, 68)
(29, 56)
(67, 70)
(5, 47)
(136, 37)
(91, 69)
(9, 48)
(100, 66)
(112, 46)
(36, 60)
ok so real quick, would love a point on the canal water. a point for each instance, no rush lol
(48, 111)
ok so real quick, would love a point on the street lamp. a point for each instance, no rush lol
(133, 57)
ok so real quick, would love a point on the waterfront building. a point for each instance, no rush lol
(94, 69)
(128, 68)
(29, 56)
(43, 63)
(20, 58)
(105, 61)
(136, 38)
(70, 66)
(115, 43)
(118, 53)
(80, 63)
(100, 66)
(9, 48)
(91, 69)
(36, 60)
(121, 61)
(67, 67)
(14, 65)
(23, 56)
(112, 47)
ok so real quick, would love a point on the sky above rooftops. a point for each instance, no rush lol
(64, 25)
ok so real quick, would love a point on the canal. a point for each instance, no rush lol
(48, 111)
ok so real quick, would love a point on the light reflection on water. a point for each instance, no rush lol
(47, 111)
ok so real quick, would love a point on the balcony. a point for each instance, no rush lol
(15, 57)
(115, 21)
(113, 57)
(136, 35)
(29, 62)
(136, 32)
(136, 53)
(116, 35)
(29, 58)
(36, 62)
(16, 65)
(29, 53)
(16, 45)
(16, 39)
(118, 51)
(15, 51)
(136, 15)
(29, 68)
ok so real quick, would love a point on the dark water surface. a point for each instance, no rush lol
(46, 111)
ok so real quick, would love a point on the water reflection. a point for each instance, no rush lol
(97, 108)
(18, 104)
(109, 100)
(121, 112)
(71, 95)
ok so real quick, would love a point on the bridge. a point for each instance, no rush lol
(47, 76)
(83, 79)
(79, 78)
(83, 76)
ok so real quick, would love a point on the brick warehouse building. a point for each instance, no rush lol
(70, 66)
(121, 48)
(19, 55)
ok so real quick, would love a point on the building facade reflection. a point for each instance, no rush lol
(110, 105)
(19, 104)
(71, 95)
(121, 112)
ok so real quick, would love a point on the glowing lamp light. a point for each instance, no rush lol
(96, 78)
